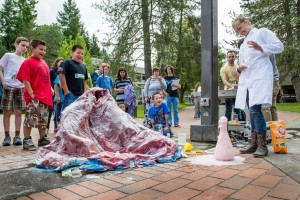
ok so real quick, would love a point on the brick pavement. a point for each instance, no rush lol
(255, 179)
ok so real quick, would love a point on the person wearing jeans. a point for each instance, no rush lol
(173, 101)
(173, 85)
(255, 79)
(68, 99)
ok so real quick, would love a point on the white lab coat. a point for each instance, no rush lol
(258, 77)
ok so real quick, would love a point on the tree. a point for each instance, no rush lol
(69, 20)
(94, 48)
(17, 18)
(26, 17)
(154, 30)
(8, 25)
(53, 37)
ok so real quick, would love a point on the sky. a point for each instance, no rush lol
(94, 22)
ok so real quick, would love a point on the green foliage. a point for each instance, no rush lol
(290, 107)
(69, 20)
(26, 17)
(53, 37)
(8, 27)
(17, 18)
(65, 50)
(155, 29)
(94, 47)
(89, 81)
(3, 50)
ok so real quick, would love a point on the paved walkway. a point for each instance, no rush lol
(255, 179)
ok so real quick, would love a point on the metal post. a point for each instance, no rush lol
(208, 130)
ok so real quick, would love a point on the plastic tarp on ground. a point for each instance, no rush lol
(94, 128)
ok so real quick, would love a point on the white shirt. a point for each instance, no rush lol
(258, 77)
(10, 63)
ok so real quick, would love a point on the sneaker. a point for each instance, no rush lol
(43, 141)
(28, 144)
(6, 141)
(17, 141)
(177, 125)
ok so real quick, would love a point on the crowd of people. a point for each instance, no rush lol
(29, 84)
(255, 76)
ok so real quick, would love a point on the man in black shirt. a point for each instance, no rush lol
(73, 76)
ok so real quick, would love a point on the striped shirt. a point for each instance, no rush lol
(121, 84)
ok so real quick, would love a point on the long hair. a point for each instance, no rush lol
(54, 65)
(119, 76)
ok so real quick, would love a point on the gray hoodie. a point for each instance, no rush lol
(152, 86)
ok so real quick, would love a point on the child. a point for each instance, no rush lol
(13, 90)
(158, 115)
(122, 106)
(53, 75)
(163, 96)
(34, 73)
(73, 76)
(105, 81)
(59, 98)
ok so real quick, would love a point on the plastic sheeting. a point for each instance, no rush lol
(94, 127)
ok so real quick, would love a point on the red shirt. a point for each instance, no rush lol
(36, 72)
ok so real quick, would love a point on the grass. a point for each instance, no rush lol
(140, 111)
(290, 107)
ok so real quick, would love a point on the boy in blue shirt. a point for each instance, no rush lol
(105, 81)
(158, 115)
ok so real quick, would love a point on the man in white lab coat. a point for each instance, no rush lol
(256, 78)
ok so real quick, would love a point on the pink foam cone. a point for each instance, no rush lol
(224, 150)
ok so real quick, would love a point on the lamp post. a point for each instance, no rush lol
(208, 130)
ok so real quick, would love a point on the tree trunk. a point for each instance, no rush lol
(182, 91)
(297, 21)
(296, 83)
(180, 35)
(146, 38)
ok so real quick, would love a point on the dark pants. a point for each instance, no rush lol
(229, 103)
(58, 109)
(49, 117)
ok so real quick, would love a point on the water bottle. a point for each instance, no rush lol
(132, 164)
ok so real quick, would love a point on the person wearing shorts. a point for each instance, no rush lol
(34, 73)
(13, 90)
(36, 114)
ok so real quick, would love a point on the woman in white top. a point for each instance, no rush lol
(256, 78)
